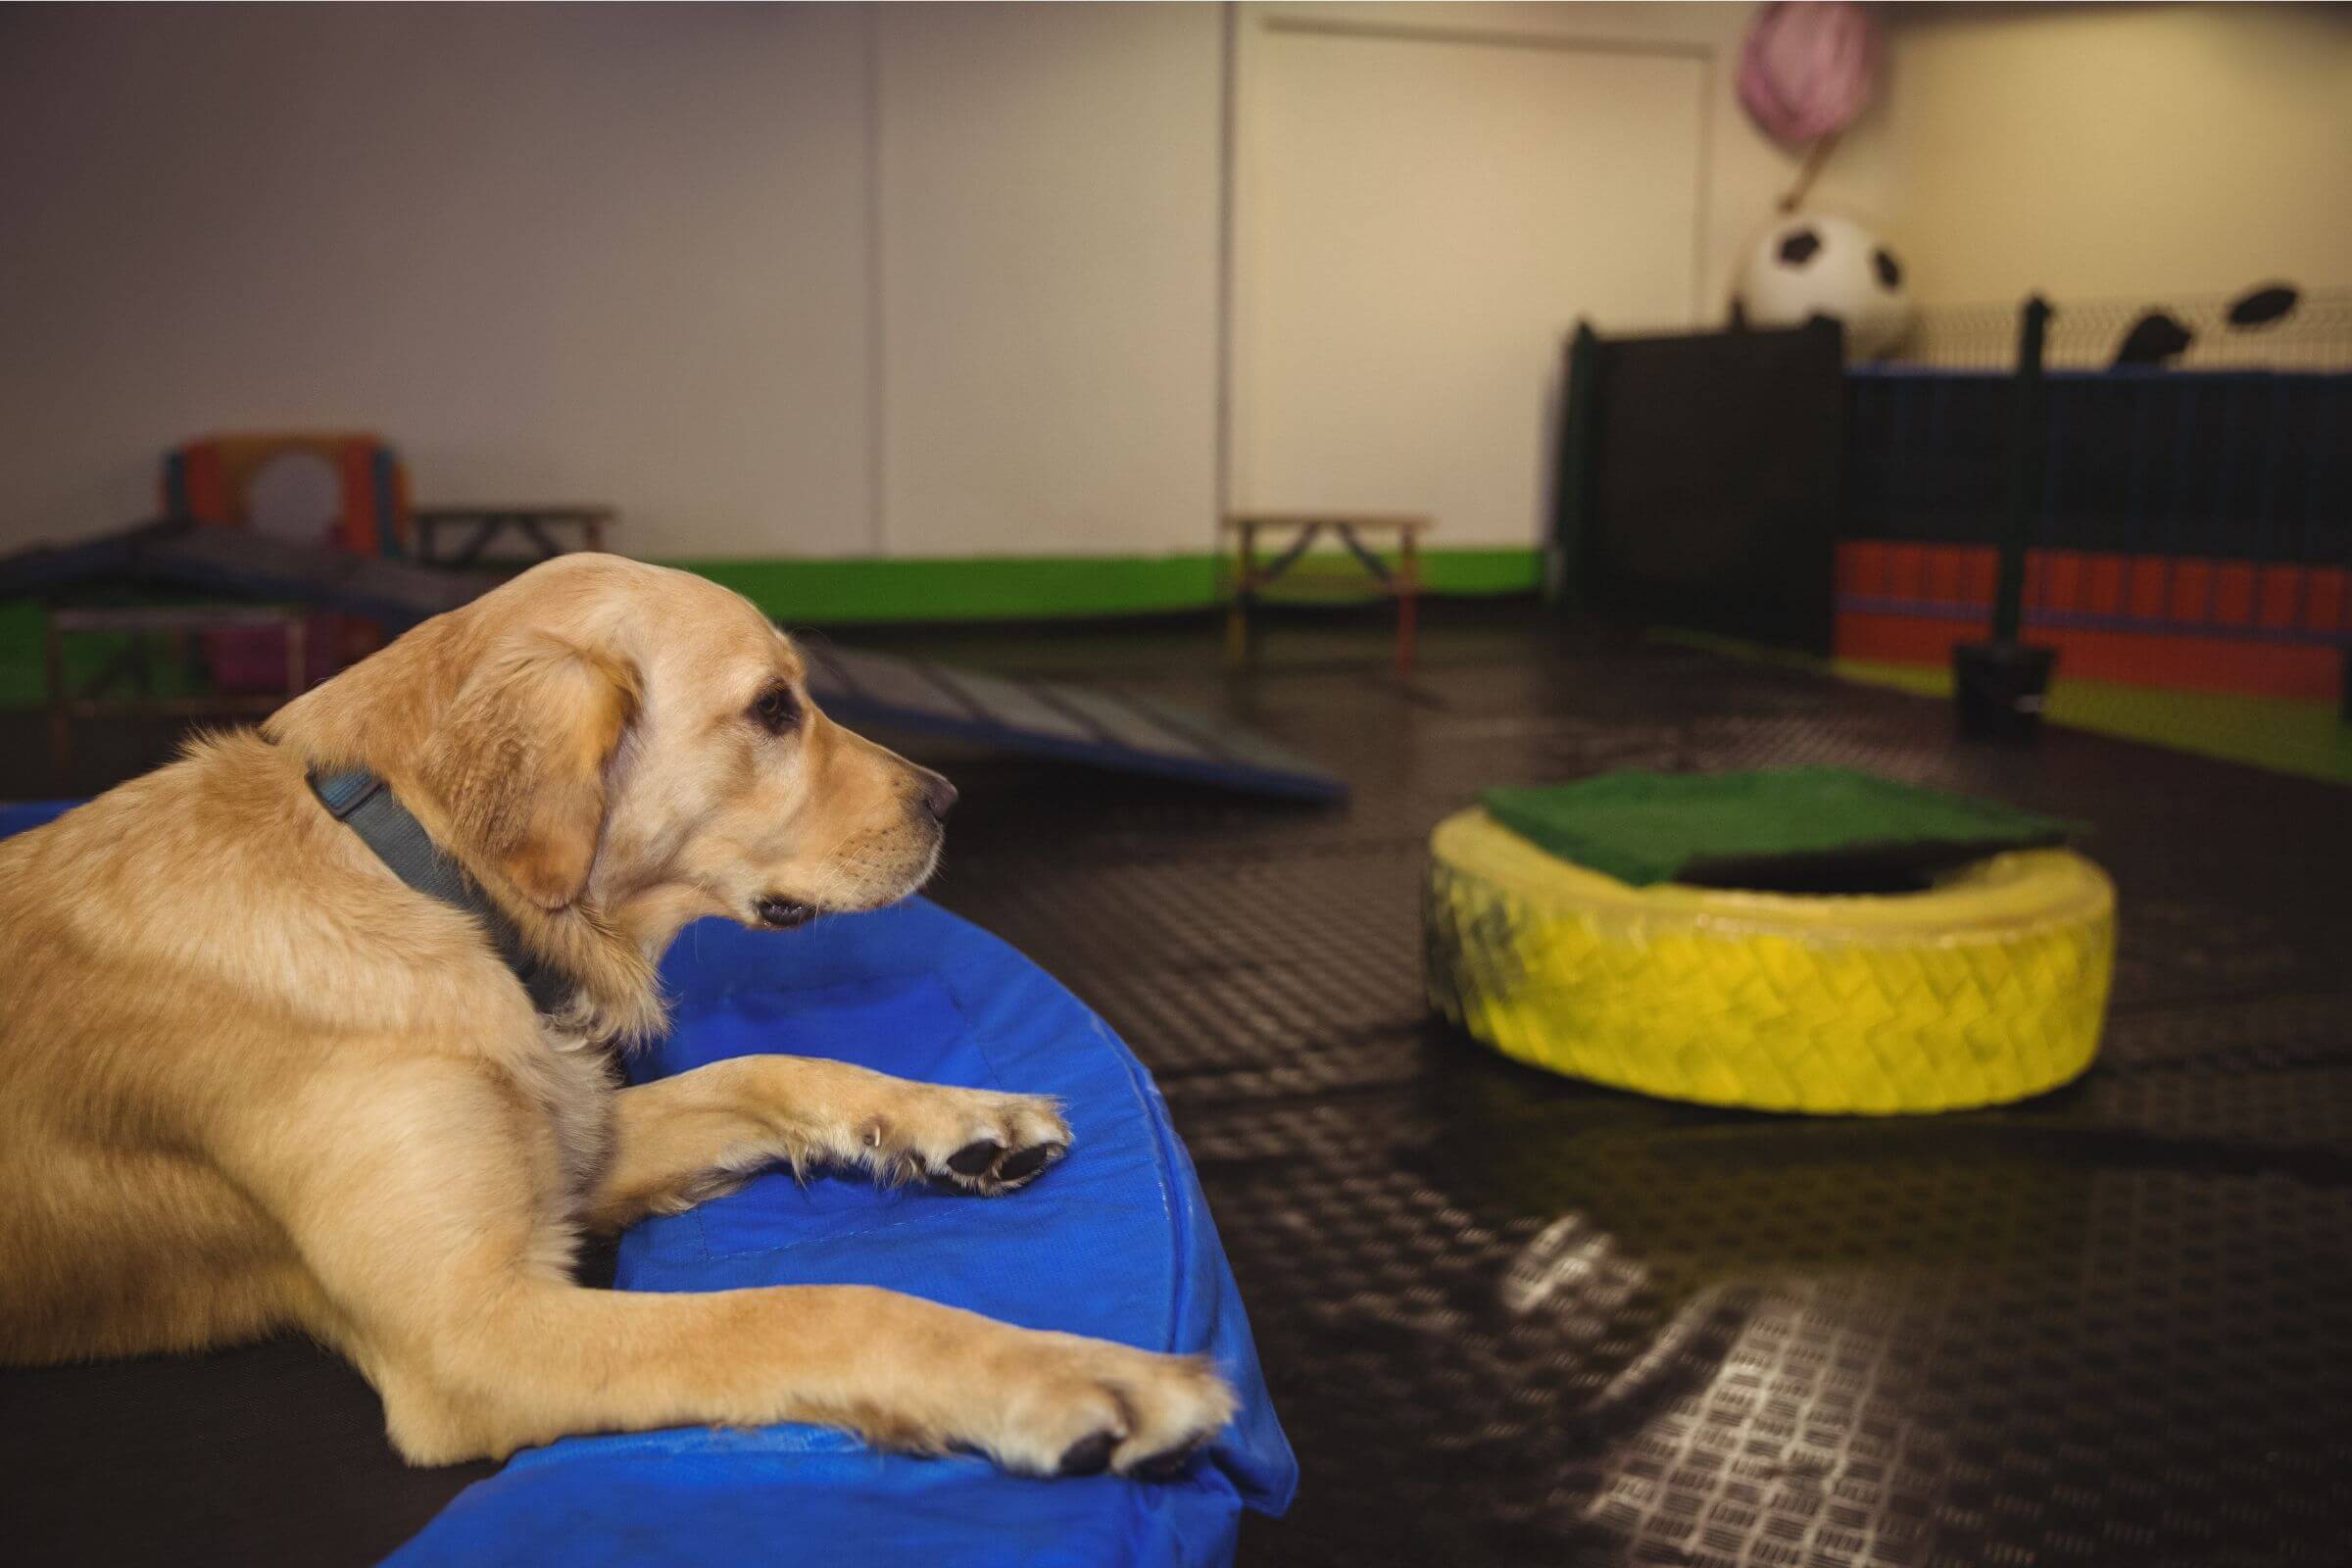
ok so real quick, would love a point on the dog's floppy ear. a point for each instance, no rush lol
(517, 762)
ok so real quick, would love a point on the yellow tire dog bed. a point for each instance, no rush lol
(1989, 986)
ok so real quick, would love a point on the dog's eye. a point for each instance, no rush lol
(776, 711)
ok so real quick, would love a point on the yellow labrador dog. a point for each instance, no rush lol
(251, 1079)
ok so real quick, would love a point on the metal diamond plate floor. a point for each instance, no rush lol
(1513, 1320)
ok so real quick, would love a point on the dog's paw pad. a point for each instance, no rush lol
(976, 1158)
(1023, 1163)
(983, 1141)
(1090, 1456)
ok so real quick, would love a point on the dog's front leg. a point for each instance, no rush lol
(682, 1140)
(549, 1359)
(421, 1194)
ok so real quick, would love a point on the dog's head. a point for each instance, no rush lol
(636, 739)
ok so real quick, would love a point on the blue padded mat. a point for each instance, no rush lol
(22, 815)
(1116, 1241)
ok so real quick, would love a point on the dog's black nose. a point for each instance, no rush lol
(939, 796)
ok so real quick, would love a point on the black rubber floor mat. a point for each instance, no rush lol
(1586, 1331)
(1513, 1320)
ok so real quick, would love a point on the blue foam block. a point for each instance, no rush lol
(1116, 1241)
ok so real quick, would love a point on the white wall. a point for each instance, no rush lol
(838, 281)
(1049, 213)
(597, 253)
(1741, 173)
(1422, 218)
(687, 259)
(2132, 151)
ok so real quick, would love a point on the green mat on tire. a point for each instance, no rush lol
(1802, 829)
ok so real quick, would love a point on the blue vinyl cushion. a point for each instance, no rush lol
(1116, 1241)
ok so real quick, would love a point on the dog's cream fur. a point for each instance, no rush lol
(251, 1082)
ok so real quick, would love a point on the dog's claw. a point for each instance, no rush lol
(1170, 1465)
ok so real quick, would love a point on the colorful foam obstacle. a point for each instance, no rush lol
(1984, 979)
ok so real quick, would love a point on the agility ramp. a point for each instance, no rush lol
(240, 563)
(1064, 723)
(1069, 724)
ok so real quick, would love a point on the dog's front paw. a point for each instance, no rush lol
(1061, 1405)
(976, 1140)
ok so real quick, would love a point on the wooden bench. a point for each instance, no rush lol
(1292, 535)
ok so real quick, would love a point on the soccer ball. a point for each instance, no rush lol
(1820, 264)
